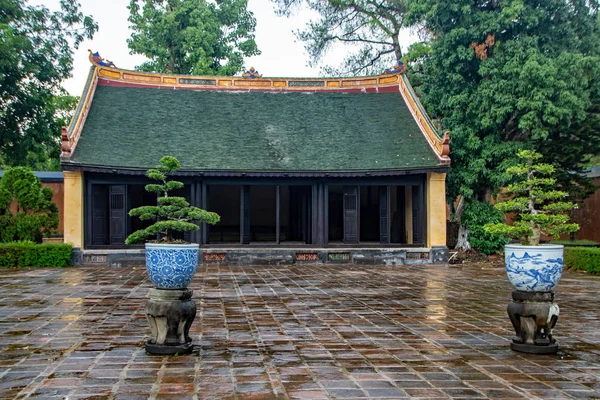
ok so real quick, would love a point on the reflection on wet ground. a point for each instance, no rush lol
(326, 331)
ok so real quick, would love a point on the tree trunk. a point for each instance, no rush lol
(460, 209)
(463, 239)
(397, 48)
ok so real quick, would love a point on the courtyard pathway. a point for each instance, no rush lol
(326, 331)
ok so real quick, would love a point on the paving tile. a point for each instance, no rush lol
(305, 331)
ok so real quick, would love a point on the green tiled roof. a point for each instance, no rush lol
(251, 131)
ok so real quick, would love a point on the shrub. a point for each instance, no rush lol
(476, 215)
(29, 254)
(35, 215)
(581, 242)
(583, 259)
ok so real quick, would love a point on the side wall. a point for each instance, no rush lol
(73, 208)
(58, 198)
(436, 209)
(588, 216)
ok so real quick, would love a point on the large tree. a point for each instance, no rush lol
(192, 36)
(36, 55)
(371, 27)
(502, 75)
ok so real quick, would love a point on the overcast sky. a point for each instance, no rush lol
(282, 54)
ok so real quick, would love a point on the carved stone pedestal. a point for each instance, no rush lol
(170, 313)
(533, 315)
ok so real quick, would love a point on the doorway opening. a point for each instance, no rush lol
(225, 201)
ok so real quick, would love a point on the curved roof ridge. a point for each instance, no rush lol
(250, 80)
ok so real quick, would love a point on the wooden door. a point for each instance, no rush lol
(417, 214)
(99, 214)
(118, 214)
(351, 209)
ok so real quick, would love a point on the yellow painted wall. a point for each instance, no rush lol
(73, 208)
(436, 209)
(408, 212)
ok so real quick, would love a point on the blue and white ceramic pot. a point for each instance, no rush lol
(171, 266)
(534, 268)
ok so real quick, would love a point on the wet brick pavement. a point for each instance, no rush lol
(310, 332)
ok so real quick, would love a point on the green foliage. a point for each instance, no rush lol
(583, 259)
(33, 213)
(507, 75)
(476, 215)
(36, 56)
(192, 36)
(172, 214)
(371, 28)
(29, 254)
(539, 208)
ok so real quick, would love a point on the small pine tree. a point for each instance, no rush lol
(172, 214)
(538, 206)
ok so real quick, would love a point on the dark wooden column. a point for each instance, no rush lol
(419, 207)
(277, 212)
(384, 214)
(307, 210)
(325, 205)
(245, 214)
(351, 214)
(319, 214)
(204, 205)
(314, 217)
(401, 208)
(196, 201)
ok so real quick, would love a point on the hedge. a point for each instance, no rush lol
(576, 243)
(583, 259)
(29, 254)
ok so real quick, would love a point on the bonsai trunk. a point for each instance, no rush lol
(534, 239)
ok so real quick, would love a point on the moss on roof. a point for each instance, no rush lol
(251, 131)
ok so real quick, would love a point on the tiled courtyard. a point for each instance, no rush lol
(303, 331)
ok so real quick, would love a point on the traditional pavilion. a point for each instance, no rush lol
(319, 169)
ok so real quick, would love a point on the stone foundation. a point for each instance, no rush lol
(281, 256)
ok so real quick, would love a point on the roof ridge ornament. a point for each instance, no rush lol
(96, 59)
(65, 145)
(398, 68)
(446, 144)
(251, 74)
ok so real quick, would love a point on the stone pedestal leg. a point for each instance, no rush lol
(533, 315)
(170, 314)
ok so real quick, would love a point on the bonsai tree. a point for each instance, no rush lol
(538, 206)
(172, 214)
(26, 208)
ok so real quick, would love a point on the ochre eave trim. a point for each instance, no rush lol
(70, 135)
(439, 144)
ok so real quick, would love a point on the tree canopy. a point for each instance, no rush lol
(373, 27)
(36, 53)
(192, 36)
(506, 75)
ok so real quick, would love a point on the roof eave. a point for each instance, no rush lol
(440, 168)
